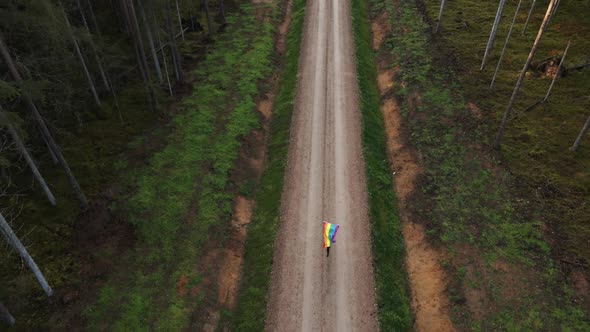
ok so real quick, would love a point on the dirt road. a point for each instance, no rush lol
(325, 180)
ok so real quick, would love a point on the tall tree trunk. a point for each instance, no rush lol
(141, 50)
(526, 23)
(492, 38)
(93, 18)
(554, 10)
(18, 246)
(442, 7)
(51, 153)
(581, 135)
(103, 75)
(43, 128)
(148, 31)
(505, 44)
(79, 53)
(557, 73)
(165, 63)
(5, 315)
(542, 28)
(174, 49)
(23, 151)
(209, 22)
(179, 20)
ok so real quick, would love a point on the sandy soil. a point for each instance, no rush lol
(428, 284)
(325, 180)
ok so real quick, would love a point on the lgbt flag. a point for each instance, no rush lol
(330, 233)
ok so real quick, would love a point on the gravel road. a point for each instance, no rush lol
(325, 180)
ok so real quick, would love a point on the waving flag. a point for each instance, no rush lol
(330, 233)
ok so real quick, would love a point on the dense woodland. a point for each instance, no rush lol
(78, 79)
(81, 80)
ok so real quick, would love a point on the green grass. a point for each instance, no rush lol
(465, 199)
(251, 309)
(388, 244)
(192, 172)
(535, 147)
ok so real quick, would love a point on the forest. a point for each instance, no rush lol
(146, 145)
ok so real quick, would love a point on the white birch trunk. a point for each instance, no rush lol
(505, 44)
(103, 75)
(557, 73)
(179, 20)
(165, 63)
(151, 42)
(526, 23)
(141, 50)
(581, 135)
(173, 48)
(440, 13)
(23, 151)
(93, 18)
(18, 246)
(79, 53)
(51, 153)
(542, 28)
(492, 38)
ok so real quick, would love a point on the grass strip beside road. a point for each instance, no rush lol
(466, 202)
(191, 172)
(388, 244)
(252, 300)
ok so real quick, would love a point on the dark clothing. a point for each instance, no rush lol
(328, 251)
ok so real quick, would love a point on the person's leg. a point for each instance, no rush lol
(328, 251)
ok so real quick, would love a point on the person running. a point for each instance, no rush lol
(329, 233)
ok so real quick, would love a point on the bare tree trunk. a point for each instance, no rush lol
(209, 22)
(526, 23)
(554, 10)
(103, 75)
(43, 128)
(51, 153)
(174, 50)
(23, 151)
(148, 31)
(492, 38)
(93, 18)
(79, 53)
(179, 20)
(5, 315)
(505, 44)
(557, 73)
(523, 73)
(18, 246)
(141, 50)
(442, 7)
(165, 63)
(581, 135)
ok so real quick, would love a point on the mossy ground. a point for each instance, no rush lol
(501, 267)
(535, 148)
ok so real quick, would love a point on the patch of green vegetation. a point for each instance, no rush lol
(251, 309)
(191, 173)
(464, 198)
(388, 244)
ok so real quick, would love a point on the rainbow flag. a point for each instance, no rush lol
(330, 233)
